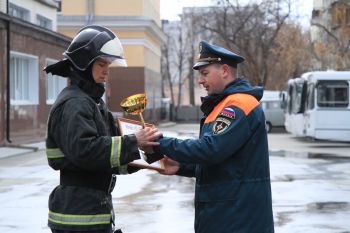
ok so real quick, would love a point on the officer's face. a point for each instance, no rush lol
(100, 70)
(212, 78)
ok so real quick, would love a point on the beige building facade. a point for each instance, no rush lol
(137, 24)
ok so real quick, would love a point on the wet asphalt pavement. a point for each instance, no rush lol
(310, 187)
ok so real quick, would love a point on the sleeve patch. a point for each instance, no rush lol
(220, 125)
(228, 112)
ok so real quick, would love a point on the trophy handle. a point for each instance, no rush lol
(142, 120)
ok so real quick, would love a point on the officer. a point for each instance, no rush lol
(230, 159)
(82, 141)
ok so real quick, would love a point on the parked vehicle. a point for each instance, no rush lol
(294, 106)
(317, 105)
(271, 104)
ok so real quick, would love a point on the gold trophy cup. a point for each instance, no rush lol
(134, 105)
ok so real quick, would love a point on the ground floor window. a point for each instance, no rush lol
(24, 79)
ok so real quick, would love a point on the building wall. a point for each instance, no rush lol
(35, 8)
(119, 7)
(124, 82)
(28, 122)
(76, 7)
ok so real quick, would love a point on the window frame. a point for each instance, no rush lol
(48, 22)
(24, 13)
(33, 84)
(330, 91)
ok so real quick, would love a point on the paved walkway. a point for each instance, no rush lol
(12, 150)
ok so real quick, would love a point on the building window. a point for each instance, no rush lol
(310, 104)
(19, 12)
(44, 22)
(24, 79)
(54, 84)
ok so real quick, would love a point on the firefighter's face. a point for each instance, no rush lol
(100, 70)
(212, 78)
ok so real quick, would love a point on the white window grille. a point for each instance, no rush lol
(44, 22)
(24, 79)
(19, 12)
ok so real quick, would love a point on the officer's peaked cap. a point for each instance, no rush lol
(210, 53)
(93, 42)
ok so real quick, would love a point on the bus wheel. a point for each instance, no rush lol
(268, 127)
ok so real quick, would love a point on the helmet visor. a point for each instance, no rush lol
(113, 51)
(114, 60)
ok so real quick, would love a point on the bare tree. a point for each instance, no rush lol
(333, 50)
(275, 48)
(291, 56)
(174, 63)
(167, 77)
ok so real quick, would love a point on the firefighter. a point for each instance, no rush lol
(82, 141)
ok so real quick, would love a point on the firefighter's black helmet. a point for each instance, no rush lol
(94, 42)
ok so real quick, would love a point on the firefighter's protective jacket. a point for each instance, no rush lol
(82, 143)
(230, 161)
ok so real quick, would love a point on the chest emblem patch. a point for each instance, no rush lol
(228, 112)
(221, 124)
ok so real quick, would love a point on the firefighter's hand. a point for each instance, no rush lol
(170, 166)
(145, 137)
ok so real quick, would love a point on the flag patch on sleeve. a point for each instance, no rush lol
(228, 112)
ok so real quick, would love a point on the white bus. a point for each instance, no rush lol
(317, 105)
(294, 108)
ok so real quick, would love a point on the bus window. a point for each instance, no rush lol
(310, 104)
(298, 96)
(332, 94)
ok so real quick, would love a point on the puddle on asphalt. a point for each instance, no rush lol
(328, 206)
(308, 155)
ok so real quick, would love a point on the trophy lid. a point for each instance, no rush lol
(134, 104)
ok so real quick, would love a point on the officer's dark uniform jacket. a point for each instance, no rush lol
(82, 144)
(230, 162)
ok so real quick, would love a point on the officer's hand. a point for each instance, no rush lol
(145, 137)
(170, 166)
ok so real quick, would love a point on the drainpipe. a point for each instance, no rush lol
(92, 13)
(8, 102)
(87, 17)
(90, 8)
